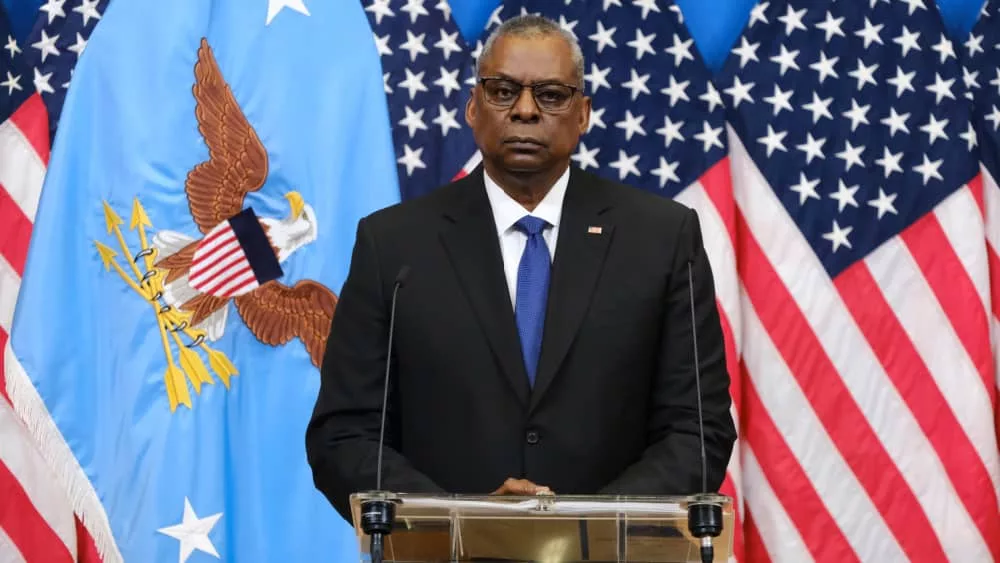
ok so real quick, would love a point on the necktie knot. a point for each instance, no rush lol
(530, 225)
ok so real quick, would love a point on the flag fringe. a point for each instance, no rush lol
(53, 447)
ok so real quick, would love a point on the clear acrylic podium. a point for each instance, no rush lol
(542, 529)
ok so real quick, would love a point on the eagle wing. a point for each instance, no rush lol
(276, 313)
(237, 163)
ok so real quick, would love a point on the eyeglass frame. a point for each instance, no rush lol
(574, 90)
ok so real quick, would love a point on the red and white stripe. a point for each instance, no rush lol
(220, 267)
(36, 516)
(38, 522)
(870, 398)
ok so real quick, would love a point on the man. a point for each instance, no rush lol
(543, 336)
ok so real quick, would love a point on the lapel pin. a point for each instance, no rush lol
(594, 230)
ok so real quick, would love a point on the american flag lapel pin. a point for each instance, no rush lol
(594, 230)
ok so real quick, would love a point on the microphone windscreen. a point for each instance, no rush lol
(401, 276)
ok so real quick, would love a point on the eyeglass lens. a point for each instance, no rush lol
(547, 96)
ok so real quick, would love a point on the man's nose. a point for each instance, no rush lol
(525, 108)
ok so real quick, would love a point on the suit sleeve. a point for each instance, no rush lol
(671, 463)
(342, 436)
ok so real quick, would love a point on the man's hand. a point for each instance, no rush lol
(521, 487)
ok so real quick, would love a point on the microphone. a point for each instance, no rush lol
(377, 514)
(704, 516)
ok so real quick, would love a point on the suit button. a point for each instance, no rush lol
(532, 437)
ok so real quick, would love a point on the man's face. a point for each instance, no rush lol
(523, 137)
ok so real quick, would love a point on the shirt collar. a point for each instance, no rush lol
(507, 211)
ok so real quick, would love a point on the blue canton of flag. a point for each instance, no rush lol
(849, 110)
(44, 62)
(173, 402)
(428, 73)
(657, 121)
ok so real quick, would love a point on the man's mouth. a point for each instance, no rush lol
(524, 143)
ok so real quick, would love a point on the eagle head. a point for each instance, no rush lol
(294, 231)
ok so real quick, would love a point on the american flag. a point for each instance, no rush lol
(868, 372)
(37, 522)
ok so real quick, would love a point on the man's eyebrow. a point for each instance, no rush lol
(499, 75)
(549, 80)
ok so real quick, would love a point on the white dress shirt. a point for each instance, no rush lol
(507, 212)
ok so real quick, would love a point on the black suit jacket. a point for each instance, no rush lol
(613, 408)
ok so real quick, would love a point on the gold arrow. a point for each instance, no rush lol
(141, 220)
(108, 257)
(217, 360)
(220, 364)
(113, 223)
(192, 365)
(173, 379)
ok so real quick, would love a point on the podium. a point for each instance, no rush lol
(541, 529)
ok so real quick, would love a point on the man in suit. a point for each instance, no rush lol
(543, 336)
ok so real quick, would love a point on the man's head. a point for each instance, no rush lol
(528, 109)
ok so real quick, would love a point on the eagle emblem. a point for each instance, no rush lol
(189, 282)
(239, 256)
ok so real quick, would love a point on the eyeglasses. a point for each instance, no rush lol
(549, 96)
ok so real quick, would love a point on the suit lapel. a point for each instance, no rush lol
(471, 242)
(579, 259)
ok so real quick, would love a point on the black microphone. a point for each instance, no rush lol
(378, 513)
(704, 515)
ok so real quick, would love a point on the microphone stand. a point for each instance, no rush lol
(378, 514)
(704, 515)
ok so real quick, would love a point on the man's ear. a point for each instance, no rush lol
(470, 108)
(585, 115)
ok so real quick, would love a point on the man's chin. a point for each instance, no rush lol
(525, 163)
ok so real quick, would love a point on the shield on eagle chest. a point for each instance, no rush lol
(234, 258)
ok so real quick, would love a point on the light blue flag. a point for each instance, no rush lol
(212, 162)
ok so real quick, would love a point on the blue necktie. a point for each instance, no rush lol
(532, 292)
